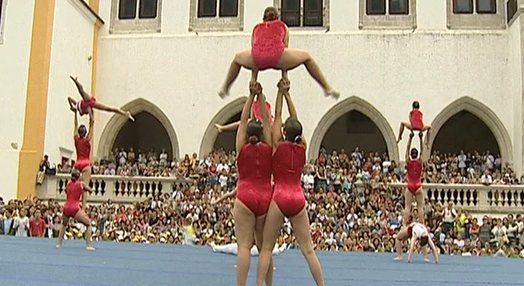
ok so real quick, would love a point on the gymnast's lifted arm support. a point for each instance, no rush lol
(277, 123)
(408, 147)
(91, 124)
(421, 156)
(241, 139)
(75, 125)
(266, 125)
(227, 195)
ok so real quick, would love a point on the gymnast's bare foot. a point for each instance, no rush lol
(58, 246)
(223, 93)
(130, 116)
(332, 92)
(399, 258)
(90, 248)
(426, 259)
(219, 127)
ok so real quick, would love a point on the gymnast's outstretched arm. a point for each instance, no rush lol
(227, 195)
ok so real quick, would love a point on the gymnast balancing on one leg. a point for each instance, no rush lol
(269, 49)
(414, 192)
(288, 200)
(253, 146)
(82, 139)
(89, 102)
(416, 123)
(255, 113)
(417, 232)
(76, 189)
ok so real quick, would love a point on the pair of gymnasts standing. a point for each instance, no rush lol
(78, 187)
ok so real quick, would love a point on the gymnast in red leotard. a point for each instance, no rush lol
(255, 113)
(76, 190)
(253, 145)
(83, 147)
(269, 49)
(89, 102)
(414, 190)
(416, 123)
(288, 200)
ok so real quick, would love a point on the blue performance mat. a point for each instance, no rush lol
(31, 262)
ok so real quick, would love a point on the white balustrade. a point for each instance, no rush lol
(494, 199)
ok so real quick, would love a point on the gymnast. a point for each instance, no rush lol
(76, 189)
(414, 192)
(89, 102)
(417, 232)
(269, 49)
(255, 113)
(288, 199)
(253, 146)
(416, 123)
(83, 139)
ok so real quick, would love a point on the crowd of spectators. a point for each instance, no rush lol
(343, 217)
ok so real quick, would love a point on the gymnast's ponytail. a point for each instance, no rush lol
(75, 175)
(254, 132)
(298, 139)
(270, 14)
(293, 130)
(254, 139)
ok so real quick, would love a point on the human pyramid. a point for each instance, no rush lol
(271, 156)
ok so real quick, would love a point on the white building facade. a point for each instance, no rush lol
(169, 59)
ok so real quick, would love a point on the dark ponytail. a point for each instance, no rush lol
(75, 175)
(254, 139)
(298, 139)
(293, 130)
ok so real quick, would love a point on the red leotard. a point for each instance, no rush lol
(268, 44)
(74, 193)
(254, 177)
(258, 114)
(414, 174)
(288, 163)
(82, 105)
(83, 150)
(415, 118)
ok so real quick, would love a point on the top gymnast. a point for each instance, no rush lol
(414, 192)
(288, 200)
(76, 189)
(269, 49)
(416, 123)
(253, 145)
(88, 102)
(83, 139)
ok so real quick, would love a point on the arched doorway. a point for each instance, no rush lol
(145, 134)
(465, 131)
(469, 124)
(212, 139)
(366, 119)
(351, 130)
(119, 128)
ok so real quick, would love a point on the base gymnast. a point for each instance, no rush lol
(89, 102)
(76, 190)
(414, 191)
(269, 50)
(417, 232)
(253, 196)
(289, 158)
(416, 123)
(255, 113)
(83, 139)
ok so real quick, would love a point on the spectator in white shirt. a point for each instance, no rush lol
(21, 224)
(486, 179)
